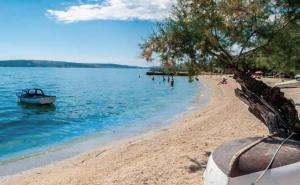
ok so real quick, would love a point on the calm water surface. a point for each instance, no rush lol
(89, 101)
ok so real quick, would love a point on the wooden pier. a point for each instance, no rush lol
(152, 73)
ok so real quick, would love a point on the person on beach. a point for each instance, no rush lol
(223, 81)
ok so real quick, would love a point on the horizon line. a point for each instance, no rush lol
(76, 62)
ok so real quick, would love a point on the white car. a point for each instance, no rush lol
(297, 77)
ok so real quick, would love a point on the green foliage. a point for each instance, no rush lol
(283, 56)
(228, 33)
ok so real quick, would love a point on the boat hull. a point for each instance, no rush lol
(38, 100)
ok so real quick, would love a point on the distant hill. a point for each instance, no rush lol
(58, 64)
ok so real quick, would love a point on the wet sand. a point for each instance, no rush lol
(174, 155)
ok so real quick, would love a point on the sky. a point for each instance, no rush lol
(91, 31)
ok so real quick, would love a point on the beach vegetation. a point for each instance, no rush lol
(239, 35)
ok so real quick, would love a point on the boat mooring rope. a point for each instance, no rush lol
(272, 160)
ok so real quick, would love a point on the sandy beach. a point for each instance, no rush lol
(174, 155)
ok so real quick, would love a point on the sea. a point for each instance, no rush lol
(94, 107)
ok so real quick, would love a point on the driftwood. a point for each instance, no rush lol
(269, 105)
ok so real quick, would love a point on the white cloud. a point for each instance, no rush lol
(114, 10)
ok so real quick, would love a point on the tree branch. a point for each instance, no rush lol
(245, 44)
(227, 54)
(273, 34)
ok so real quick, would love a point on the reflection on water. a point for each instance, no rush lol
(36, 109)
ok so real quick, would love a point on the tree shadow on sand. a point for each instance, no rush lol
(197, 166)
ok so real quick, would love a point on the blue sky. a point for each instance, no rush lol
(94, 31)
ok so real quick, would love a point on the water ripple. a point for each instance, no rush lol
(88, 101)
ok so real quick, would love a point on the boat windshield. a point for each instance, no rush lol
(39, 92)
(33, 92)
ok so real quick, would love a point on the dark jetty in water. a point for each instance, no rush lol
(180, 73)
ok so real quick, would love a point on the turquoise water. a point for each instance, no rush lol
(89, 101)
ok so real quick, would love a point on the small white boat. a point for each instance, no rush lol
(35, 96)
(254, 161)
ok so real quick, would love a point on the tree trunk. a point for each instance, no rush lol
(269, 105)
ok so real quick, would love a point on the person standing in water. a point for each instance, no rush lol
(172, 81)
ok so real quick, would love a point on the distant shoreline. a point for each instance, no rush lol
(62, 64)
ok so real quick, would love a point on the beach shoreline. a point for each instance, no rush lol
(173, 155)
(80, 146)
